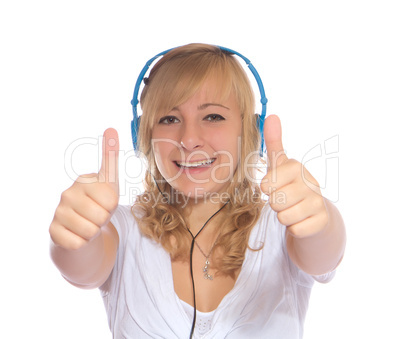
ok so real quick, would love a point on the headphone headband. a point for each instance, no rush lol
(134, 102)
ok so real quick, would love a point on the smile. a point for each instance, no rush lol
(195, 164)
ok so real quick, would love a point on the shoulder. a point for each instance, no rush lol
(123, 220)
(126, 226)
(267, 226)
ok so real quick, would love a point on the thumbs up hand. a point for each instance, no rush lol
(89, 203)
(293, 192)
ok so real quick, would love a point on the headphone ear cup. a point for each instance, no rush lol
(135, 127)
(260, 128)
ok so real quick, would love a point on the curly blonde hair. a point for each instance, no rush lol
(174, 79)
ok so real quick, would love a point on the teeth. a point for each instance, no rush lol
(195, 163)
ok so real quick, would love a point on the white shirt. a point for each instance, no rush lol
(269, 299)
(203, 320)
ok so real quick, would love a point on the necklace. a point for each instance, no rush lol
(206, 267)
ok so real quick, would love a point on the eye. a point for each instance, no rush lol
(214, 117)
(168, 120)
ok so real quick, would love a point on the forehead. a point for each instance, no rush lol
(211, 91)
(174, 84)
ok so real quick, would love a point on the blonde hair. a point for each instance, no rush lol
(175, 78)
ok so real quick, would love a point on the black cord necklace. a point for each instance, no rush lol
(191, 264)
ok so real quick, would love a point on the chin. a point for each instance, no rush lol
(203, 193)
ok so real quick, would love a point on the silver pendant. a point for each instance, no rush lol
(206, 271)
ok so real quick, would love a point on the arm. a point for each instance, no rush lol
(322, 252)
(89, 266)
(83, 241)
(315, 232)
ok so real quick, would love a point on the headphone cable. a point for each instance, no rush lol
(191, 255)
(191, 264)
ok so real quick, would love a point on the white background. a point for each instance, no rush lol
(331, 70)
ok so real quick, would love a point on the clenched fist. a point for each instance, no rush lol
(89, 203)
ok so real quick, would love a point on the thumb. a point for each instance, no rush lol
(109, 171)
(273, 141)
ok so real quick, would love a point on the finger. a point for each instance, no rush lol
(305, 209)
(285, 197)
(105, 195)
(78, 225)
(84, 203)
(294, 214)
(276, 179)
(63, 237)
(110, 157)
(92, 211)
(273, 141)
(308, 227)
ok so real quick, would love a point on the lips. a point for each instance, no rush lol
(195, 164)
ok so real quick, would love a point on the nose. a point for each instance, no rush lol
(191, 137)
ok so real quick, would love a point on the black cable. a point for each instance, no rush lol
(191, 264)
(192, 280)
(191, 256)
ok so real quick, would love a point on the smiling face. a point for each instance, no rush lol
(198, 125)
(196, 144)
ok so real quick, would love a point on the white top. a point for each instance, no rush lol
(203, 320)
(269, 299)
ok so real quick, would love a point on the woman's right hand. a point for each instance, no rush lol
(89, 203)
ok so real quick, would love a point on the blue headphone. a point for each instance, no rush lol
(135, 123)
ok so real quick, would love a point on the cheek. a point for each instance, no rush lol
(160, 149)
(228, 143)
(164, 151)
(228, 154)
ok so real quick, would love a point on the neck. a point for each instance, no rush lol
(196, 213)
(197, 210)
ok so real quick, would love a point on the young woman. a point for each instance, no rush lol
(200, 236)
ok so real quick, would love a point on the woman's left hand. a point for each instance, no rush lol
(293, 192)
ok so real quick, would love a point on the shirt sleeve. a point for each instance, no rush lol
(121, 221)
(302, 278)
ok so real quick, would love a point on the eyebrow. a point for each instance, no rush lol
(204, 106)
